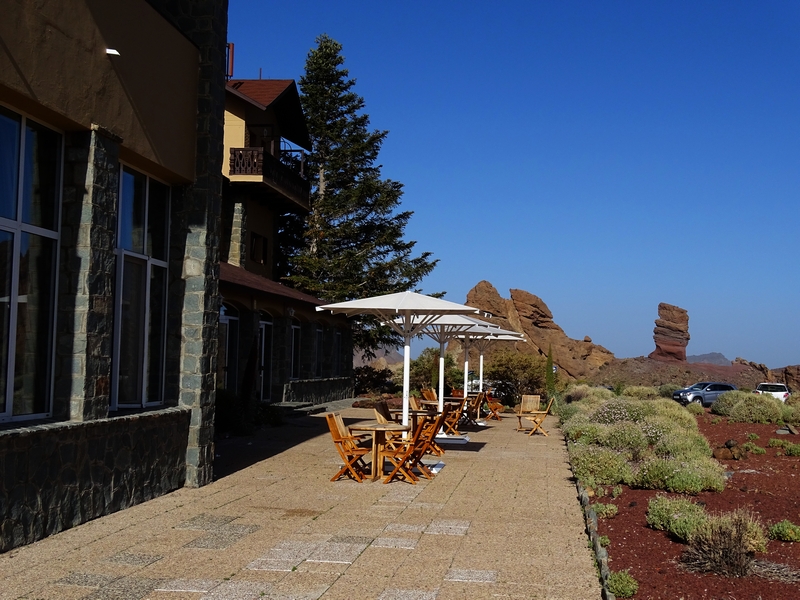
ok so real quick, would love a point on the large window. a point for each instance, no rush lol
(30, 204)
(294, 369)
(140, 332)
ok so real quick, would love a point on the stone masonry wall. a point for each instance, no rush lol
(58, 475)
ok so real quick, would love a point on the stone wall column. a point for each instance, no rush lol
(194, 288)
(85, 327)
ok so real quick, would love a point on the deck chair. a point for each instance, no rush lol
(344, 430)
(413, 404)
(384, 415)
(429, 394)
(530, 403)
(432, 428)
(453, 417)
(537, 418)
(351, 453)
(401, 457)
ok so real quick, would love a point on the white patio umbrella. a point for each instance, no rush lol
(482, 339)
(448, 327)
(408, 313)
(483, 343)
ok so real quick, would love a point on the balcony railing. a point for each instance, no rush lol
(254, 161)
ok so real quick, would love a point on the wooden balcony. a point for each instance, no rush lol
(255, 165)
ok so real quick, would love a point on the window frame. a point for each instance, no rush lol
(123, 256)
(17, 228)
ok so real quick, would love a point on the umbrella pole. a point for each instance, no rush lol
(406, 376)
(466, 366)
(441, 375)
(480, 387)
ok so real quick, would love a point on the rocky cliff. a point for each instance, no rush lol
(528, 314)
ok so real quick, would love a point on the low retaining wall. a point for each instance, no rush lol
(58, 475)
(318, 391)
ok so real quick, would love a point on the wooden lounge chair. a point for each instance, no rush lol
(530, 403)
(352, 454)
(537, 418)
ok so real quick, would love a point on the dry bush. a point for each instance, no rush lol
(726, 545)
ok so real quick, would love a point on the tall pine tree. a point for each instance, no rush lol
(352, 242)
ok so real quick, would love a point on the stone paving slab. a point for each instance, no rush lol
(500, 520)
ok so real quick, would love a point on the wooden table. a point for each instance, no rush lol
(378, 441)
(415, 414)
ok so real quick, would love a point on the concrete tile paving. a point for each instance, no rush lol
(500, 520)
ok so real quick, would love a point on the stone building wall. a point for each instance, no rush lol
(58, 475)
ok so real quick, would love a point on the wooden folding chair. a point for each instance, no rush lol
(345, 432)
(473, 409)
(530, 403)
(453, 417)
(429, 394)
(495, 407)
(537, 418)
(432, 428)
(352, 454)
(401, 457)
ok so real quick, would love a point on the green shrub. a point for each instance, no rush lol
(666, 390)
(679, 517)
(616, 491)
(756, 408)
(695, 408)
(622, 584)
(605, 541)
(618, 410)
(679, 444)
(777, 443)
(579, 429)
(790, 414)
(625, 436)
(791, 449)
(785, 531)
(753, 448)
(604, 511)
(725, 545)
(726, 401)
(716, 421)
(598, 466)
(641, 392)
(566, 411)
(676, 414)
(751, 437)
(681, 476)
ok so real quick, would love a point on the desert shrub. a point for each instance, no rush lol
(791, 449)
(579, 428)
(751, 437)
(641, 392)
(618, 410)
(605, 541)
(680, 476)
(790, 414)
(725, 402)
(566, 411)
(616, 491)
(674, 412)
(622, 584)
(598, 466)
(726, 545)
(695, 408)
(776, 443)
(756, 408)
(604, 511)
(785, 531)
(753, 448)
(679, 517)
(625, 437)
(679, 444)
(665, 391)
(716, 420)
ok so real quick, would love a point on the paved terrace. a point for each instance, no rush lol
(501, 520)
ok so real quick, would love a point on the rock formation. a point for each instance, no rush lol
(671, 334)
(528, 314)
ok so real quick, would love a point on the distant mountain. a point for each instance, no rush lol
(712, 358)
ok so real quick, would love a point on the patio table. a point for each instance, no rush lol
(378, 441)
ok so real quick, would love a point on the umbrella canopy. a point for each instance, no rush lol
(408, 313)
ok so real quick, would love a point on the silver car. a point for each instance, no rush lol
(703, 392)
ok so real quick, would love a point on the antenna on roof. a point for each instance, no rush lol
(259, 72)
(229, 67)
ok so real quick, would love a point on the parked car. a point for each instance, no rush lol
(776, 390)
(704, 392)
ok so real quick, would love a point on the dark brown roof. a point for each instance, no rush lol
(238, 276)
(282, 96)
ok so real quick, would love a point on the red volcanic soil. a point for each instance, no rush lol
(766, 484)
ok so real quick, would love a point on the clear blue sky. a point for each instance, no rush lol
(605, 156)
